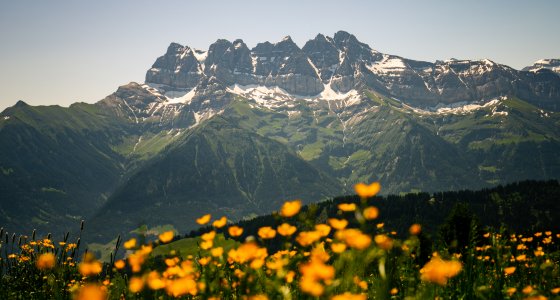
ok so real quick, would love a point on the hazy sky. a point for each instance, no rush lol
(60, 52)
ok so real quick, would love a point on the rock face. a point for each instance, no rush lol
(552, 64)
(342, 63)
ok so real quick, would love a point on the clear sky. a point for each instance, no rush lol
(65, 51)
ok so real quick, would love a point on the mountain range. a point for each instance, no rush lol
(237, 131)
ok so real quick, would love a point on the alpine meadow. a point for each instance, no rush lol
(280, 170)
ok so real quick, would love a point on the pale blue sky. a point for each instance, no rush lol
(60, 52)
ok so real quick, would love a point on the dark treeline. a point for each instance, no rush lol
(521, 207)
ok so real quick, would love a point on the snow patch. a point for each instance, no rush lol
(176, 97)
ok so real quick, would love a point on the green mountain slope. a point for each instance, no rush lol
(216, 168)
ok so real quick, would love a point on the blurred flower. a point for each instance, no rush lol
(92, 292)
(221, 222)
(267, 232)
(338, 247)
(119, 264)
(509, 270)
(286, 229)
(347, 206)
(323, 229)
(235, 231)
(367, 191)
(415, 229)
(290, 208)
(338, 224)
(46, 261)
(204, 219)
(384, 242)
(349, 296)
(130, 243)
(439, 271)
(371, 213)
(306, 238)
(136, 284)
(166, 237)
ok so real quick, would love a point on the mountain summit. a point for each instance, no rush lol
(236, 131)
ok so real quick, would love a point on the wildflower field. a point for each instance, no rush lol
(350, 256)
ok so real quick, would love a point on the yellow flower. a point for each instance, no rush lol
(509, 270)
(136, 284)
(204, 219)
(154, 281)
(235, 231)
(394, 291)
(347, 206)
(510, 291)
(367, 191)
(290, 208)
(306, 238)
(323, 229)
(130, 243)
(90, 266)
(555, 290)
(380, 225)
(439, 271)
(338, 224)
(217, 252)
(203, 261)
(209, 236)
(349, 296)
(46, 261)
(527, 290)
(119, 264)
(92, 292)
(338, 247)
(354, 238)
(286, 229)
(415, 229)
(181, 286)
(267, 232)
(205, 245)
(166, 237)
(221, 222)
(384, 242)
(371, 213)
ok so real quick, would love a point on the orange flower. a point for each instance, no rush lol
(307, 238)
(217, 252)
(290, 208)
(527, 290)
(166, 237)
(338, 224)
(354, 238)
(130, 243)
(349, 296)
(384, 242)
(367, 191)
(415, 229)
(286, 229)
(323, 229)
(92, 292)
(509, 270)
(371, 213)
(154, 281)
(338, 247)
(204, 219)
(46, 261)
(119, 264)
(221, 222)
(89, 266)
(267, 232)
(235, 231)
(136, 284)
(347, 206)
(439, 271)
(209, 236)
